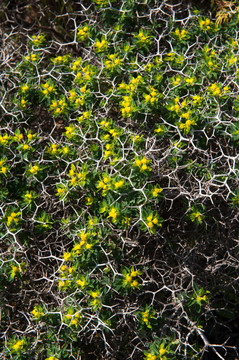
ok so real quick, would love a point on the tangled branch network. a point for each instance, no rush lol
(119, 182)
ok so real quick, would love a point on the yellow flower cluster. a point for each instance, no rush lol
(152, 96)
(47, 88)
(177, 105)
(156, 191)
(85, 75)
(4, 139)
(172, 56)
(83, 32)
(160, 129)
(201, 298)
(145, 317)
(13, 218)
(204, 24)
(197, 100)
(29, 196)
(152, 221)
(24, 88)
(191, 80)
(77, 177)
(180, 35)
(15, 270)
(129, 279)
(142, 37)
(73, 317)
(196, 216)
(38, 40)
(37, 312)
(96, 298)
(32, 57)
(151, 357)
(113, 214)
(77, 64)
(85, 116)
(70, 131)
(59, 106)
(18, 346)
(81, 282)
(176, 80)
(215, 89)
(83, 244)
(68, 273)
(107, 183)
(34, 169)
(101, 46)
(3, 167)
(132, 86)
(101, 2)
(61, 190)
(112, 62)
(108, 150)
(142, 163)
(58, 60)
(186, 127)
(127, 106)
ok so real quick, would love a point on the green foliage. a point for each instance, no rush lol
(118, 163)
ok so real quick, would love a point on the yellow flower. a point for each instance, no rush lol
(180, 35)
(134, 284)
(113, 213)
(73, 181)
(15, 269)
(74, 322)
(204, 24)
(95, 294)
(162, 351)
(138, 162)
(28, 197)
(34, 169)
(81, 282)
(200, 298)
(142, 37)
(84, 236)
(134, 273)
(155, 191)
(144, 160)
(215, 89)
(24, 88)
(4, 169)
(67, 256)
(63, 268)
(144, 167)
(18, 345)
(60, 191)
(128, 278)
(190, 80)
(119, 184)
(26, 147)
(37, 312)
(101, 45)
(62, 284)
(151, 357)
(226, 88)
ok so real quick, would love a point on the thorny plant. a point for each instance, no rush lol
(119, 186)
